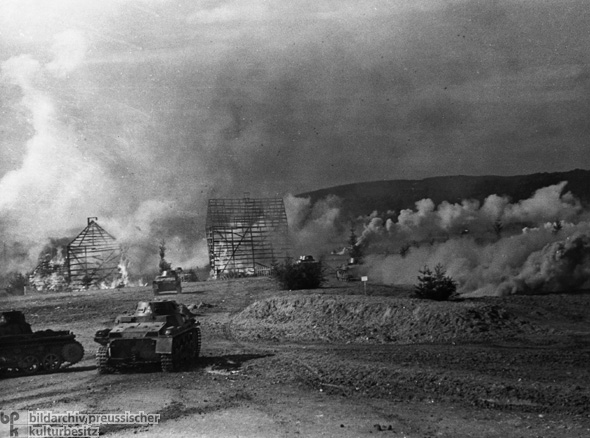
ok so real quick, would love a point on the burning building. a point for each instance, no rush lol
(49, 274)
(93, 257)
(245, 236)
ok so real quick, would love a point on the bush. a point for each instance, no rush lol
(435, 285)
(293, 276)
(192, 275)
(16, 283)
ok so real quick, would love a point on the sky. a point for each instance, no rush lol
(139, 111)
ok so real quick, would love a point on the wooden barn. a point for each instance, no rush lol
(93, 257)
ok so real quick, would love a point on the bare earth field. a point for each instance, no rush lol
(332, 362)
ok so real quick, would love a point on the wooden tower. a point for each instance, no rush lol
(245, 236)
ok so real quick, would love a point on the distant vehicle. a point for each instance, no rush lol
(306, 259)
(163, 332)
(187, 276)
(23, 351)
(342, 274)
(167, 281)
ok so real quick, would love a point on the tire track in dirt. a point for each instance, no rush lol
(41, 390)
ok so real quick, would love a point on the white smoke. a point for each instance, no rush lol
(150, 225)
(69, 50)
(539, 246)
(65, 175)
(428, 221)
(55, 176)
(314, 227)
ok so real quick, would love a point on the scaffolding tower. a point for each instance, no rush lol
(92, 257)
(246, 236)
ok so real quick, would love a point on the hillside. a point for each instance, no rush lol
(364, 198)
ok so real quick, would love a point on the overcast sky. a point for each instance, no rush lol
(117, 107)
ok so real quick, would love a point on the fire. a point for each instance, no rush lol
(122, 279)
(50, 274)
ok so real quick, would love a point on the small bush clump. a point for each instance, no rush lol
(435, 285)
(192, 275)
(16, 283)
(293, 276)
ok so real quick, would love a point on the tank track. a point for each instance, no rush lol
(186, 349)
(102, 358)
(167, 362)
(198, 349)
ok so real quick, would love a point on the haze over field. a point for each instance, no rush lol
(139, 111)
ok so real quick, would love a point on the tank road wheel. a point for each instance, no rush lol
(102, 359)
(29, 364)
(51, 361)
(72, 352)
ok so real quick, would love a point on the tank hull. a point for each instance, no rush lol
(171, 339)
(169, 282)
(40, 351)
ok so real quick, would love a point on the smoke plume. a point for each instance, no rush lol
(537, 245)
(314, 227)
(64, 176)
(137, 112)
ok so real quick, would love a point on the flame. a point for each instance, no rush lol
(122, 280)
(49, 275)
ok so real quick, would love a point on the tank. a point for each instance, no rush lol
(167, 281)
(342, 273)
(162, 332)
(23, 351)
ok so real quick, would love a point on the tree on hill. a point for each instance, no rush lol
(16, 283)
(355, 252)
(435, 285)
(404, 250)
(163, 265)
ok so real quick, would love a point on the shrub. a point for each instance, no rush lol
(355, 252)
(435, 285)
(16, 283)
(404, 250)
(192, 275)
(293, 276)
(163, 265)
(87, 281)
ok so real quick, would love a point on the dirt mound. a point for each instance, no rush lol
(357, 319)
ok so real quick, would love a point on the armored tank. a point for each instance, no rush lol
(160, 331)
(27, 352)
(167, 281)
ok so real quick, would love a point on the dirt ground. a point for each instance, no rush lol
(341, 361)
